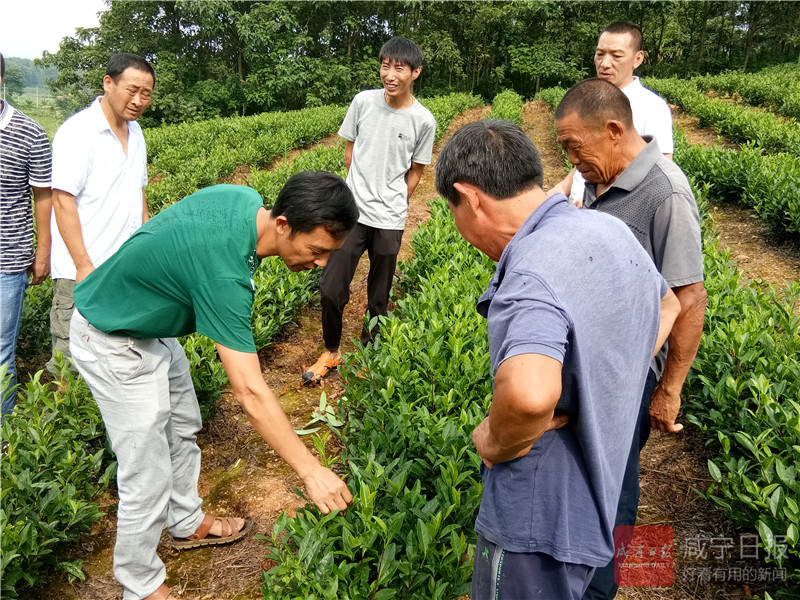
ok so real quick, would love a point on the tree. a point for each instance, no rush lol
(13, 82)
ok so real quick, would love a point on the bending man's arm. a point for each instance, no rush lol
(414, 175)
(324, 487)
(564, 186)
(526, 390)
(43, 204)
(683, 344)
(69, 225)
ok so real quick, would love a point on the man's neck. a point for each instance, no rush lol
(628, 152)
(399, 102)
(627, 82)
(115, 122)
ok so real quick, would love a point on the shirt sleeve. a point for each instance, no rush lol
(349, 128)
(677, 240)
(72, 161)
(423, 152)
(41, 161)
(525, 318)
(222, 312)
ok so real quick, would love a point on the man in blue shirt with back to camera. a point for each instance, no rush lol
(576, 310)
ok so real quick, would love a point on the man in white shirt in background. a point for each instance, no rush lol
(99, 174)
(618, 54)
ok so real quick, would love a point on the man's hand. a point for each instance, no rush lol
(481, 437)
(664, 410)
(39, 269)
(327, 491)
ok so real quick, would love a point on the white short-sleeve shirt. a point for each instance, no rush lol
(89, 163)
(651, 116)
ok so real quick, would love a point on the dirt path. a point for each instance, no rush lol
(240, 474)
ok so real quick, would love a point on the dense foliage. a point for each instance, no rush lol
(217, 59)
(507, 105)
(740, 123)
(414, 472)
(776, 88)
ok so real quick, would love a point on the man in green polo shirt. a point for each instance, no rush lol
(190, 269)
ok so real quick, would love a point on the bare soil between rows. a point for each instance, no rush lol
(241, 475)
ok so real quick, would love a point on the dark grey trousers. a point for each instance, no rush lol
(501, 575)
(382, 247)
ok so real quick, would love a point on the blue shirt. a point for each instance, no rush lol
(576, 286)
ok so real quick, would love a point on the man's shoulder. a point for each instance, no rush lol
(678, 182)
(422, 113)
(76, 124)
(22, 122)
(638, 93)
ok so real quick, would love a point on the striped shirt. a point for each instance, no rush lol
(25, 161)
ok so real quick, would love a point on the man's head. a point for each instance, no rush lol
(619, 53)
(491, 159)
(401, 64)
(128, 85)
(2, 66)
(314, 212)
(594, 125)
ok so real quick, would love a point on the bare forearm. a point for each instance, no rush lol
(145, 209)
(43, 206)
(269, 420)
(414, 177)
(684, 342)
(69, 225)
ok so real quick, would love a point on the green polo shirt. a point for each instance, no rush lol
(187, 269)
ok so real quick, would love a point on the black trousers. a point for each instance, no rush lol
(603, 586)
(382, 247)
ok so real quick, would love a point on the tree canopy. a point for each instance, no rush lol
(220, 58)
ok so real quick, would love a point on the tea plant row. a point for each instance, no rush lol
(741, 123)
(776, 88)
(507, 105)
(411, 403)
(769, 183)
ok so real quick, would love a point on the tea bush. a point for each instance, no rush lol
(507, 105)
(776, 88)
(55, 462)
(413, 470)
(741, 123)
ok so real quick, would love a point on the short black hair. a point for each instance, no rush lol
(2, 66)
(402, 50)
(626, 27)
(493, 155)
(596, 101)
(123, 60)
(311, 199)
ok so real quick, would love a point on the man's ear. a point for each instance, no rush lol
(107, 81)
(282, 225)
(616, 129)
(415, 73)
(469, 194)
(638, 59)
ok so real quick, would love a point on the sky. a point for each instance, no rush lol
(29, 27)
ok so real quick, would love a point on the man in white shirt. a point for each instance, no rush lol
(99, 174)
(618, 54)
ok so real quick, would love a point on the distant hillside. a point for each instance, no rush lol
(32, 75)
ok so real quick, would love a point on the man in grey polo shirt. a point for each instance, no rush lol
(629, 178)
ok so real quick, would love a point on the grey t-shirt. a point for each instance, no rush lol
(653, 198)
(387, 141)
(573, 285)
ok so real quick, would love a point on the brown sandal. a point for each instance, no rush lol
(199, 538)
(162, 593)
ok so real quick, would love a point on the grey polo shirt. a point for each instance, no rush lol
(653, 197)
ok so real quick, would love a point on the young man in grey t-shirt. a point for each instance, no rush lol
(389, 141)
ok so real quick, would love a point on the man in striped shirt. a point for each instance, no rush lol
(25, 165)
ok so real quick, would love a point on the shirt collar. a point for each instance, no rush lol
(6, 112)
(635, 83)
(98, 116)
(530, 225)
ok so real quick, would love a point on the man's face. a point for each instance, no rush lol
(588, 146)
(129, 96)
(615, 58)
(305, 251)
(397, 77)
